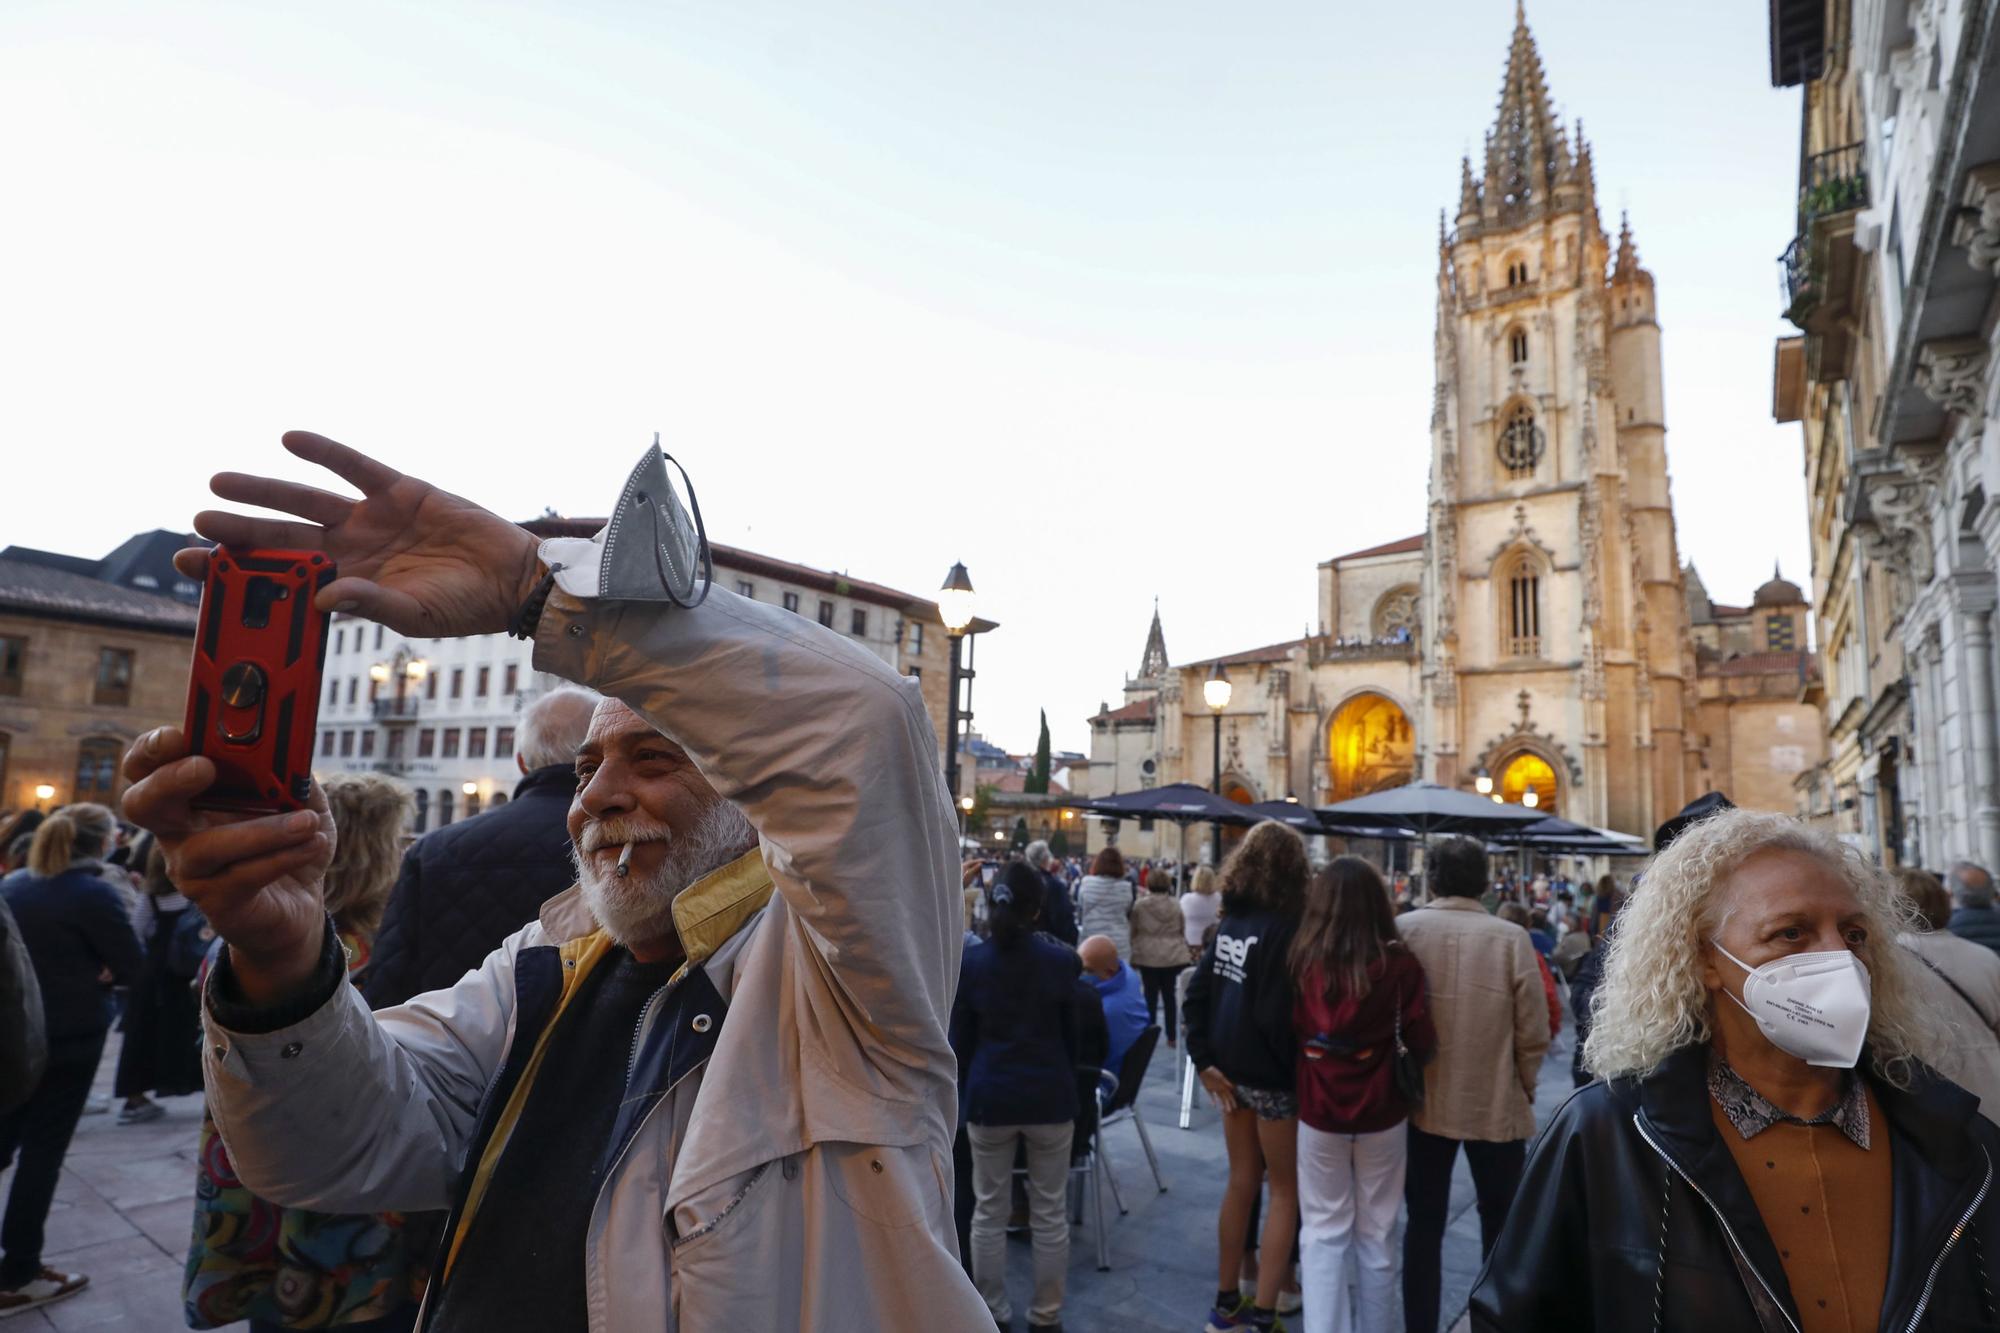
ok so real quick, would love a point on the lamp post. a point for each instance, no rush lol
(1483, 781)
(955, 609)
(1215, 691)
(964, 813)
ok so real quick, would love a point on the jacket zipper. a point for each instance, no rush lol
(1688, 1180)
(639, 1035)
(1917, 1317)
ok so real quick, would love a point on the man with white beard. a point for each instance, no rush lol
(710, 1087)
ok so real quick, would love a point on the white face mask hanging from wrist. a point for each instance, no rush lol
(1811, 1005)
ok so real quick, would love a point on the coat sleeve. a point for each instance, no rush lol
(107, 924)
(1537, 1279)
(392, 966)
(1531, 1012)
(352, 1112)
(1419, 1029)
(831, 756)
(1194, 1014)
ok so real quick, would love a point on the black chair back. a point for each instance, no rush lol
(1132, 1070)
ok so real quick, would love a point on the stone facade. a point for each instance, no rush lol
(86, 667)
(1538, 630)
(1890, 278)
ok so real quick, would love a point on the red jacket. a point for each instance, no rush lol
(1346, 1080)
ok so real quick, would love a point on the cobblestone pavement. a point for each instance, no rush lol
(124, 1209)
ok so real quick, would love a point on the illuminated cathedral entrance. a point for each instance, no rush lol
(1370, 746)
(1525, 773)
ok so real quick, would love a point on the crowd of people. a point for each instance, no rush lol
(701, 1002)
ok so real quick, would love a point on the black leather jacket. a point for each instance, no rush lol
(1625, 1166)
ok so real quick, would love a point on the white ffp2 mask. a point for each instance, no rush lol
(1812, 1005)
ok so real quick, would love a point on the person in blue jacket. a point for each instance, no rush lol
(1014, 1029)
(80, 939)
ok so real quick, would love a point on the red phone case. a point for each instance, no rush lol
(253, 691)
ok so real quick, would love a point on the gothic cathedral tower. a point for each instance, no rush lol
(1557, 656)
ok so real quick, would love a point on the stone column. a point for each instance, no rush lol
(1977, 627)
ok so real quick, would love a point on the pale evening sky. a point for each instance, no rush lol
(1109, 301)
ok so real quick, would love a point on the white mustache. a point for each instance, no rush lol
(618, 832)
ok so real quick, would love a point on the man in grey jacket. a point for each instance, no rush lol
(710, 1087)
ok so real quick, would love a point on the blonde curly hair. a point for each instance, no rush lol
(1652, 1001)
(368, 817)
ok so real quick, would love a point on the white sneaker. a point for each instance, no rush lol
(45, 1288)
(97, 1103)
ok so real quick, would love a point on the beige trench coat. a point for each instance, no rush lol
(1492, 1019)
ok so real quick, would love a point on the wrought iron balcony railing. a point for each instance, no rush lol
(395, 710)
(1830, 184)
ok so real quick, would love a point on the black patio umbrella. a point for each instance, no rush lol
(1425, 809)
(1290, 813)
(1550, 834)
(1177, 802)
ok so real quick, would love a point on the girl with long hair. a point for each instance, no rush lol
(1238, 1023)
(1359, 996)
(1014, 1030)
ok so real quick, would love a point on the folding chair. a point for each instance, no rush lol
(1118, 1100)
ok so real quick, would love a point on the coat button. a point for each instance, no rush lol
(702, 1023)
(291, 1051)
(221, 1051)
(576, 631)
(875, 1165)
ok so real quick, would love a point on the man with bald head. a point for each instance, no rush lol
(466, 887)
(1119, 991)
(709, 1085)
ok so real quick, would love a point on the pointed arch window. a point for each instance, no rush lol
(1517, 273)
(1521, 443)
(1517, 346)
(1522, 623)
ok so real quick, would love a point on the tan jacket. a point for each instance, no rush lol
(799, 1176)
(1158, 934)
(1492, 1021)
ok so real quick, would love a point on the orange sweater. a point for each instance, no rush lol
(1826, 1203)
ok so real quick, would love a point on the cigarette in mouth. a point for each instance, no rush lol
(625, 860)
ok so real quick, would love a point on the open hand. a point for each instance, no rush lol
(258, 879)
(410, 556)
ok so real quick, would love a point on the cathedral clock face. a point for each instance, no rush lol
(1521, 443)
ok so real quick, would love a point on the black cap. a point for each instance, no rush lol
(1700, 808)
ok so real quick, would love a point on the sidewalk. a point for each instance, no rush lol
(123, 1215)
(124, 1211)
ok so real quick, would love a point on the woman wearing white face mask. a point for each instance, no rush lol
(1767, 1146)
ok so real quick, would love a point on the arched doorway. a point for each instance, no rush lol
(1527, 772)
(1370, 746)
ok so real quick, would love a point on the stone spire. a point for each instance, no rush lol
(1468, 194)
(1626, 267)
(1525, 155)
(1153, 666)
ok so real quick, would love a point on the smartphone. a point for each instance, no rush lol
(253, 691)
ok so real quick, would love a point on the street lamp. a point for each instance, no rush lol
(1215, 691)
(955, 609)
(44, 793)
(964, 813)
(469, 788)
(1531, 798)
(379, 673)
(1482, 781)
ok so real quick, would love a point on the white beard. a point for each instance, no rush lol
(636, 910)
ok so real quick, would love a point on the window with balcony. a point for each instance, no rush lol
(114, 677)
(857, 621)
(393, 747)
(503, 742)
(475, 742)
(13, 663)
(1524, 609)
(482, 682)
(97, 769)
(426, 742)
(450, 743)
